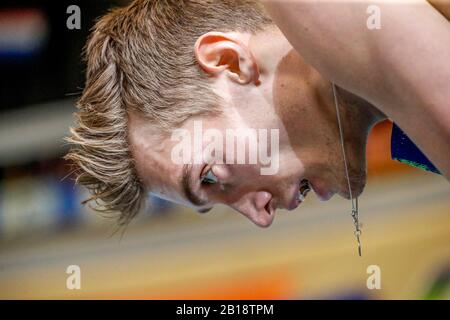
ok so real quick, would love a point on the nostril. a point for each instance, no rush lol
(270, 207)
(262, 201)
(258, 207)
(267, 208)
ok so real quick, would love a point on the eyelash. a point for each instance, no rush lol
(207, 179)
(211, 184)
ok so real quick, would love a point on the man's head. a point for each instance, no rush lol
(171, 83)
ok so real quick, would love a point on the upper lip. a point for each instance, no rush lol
(294, 202)
(321, 191)
(289, 201)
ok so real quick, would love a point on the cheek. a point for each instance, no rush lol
(243, 174)
(292, 166)
(243, 179)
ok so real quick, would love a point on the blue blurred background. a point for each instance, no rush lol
(172, 252)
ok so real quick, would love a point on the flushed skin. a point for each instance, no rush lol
(156, 66)
(288, 94)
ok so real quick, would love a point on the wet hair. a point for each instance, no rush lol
(140, 58)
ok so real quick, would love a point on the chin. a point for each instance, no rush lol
(357, 186)
(325, 187)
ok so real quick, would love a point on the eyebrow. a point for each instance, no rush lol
(189, 193)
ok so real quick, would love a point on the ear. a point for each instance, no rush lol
(218, 52)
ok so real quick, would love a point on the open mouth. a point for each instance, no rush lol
(304, 187)
(303, 190)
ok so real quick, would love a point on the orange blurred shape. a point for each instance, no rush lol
(379, 160)
(256, 286)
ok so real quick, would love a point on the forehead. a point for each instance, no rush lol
(160, 174)
(151, 152)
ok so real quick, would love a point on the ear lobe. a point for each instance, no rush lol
(218, 52)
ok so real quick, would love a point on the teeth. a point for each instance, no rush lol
(304, 188)
(300, 197)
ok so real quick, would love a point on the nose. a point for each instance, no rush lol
(256, 206)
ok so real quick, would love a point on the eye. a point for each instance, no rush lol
(209, 178)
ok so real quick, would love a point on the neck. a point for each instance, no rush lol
(368, 114)
(357, 116)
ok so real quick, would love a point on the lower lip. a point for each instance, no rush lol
(321, 191)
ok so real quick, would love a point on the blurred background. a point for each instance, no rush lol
(172, 252)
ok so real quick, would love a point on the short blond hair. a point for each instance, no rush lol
(141, 58)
